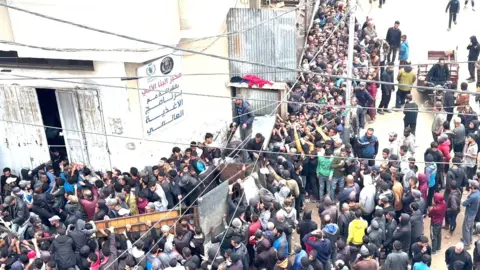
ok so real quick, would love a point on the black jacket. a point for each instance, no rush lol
(390, 227)
(63, 249)
(474, 49)
(20, 212)
(410, 112)
(451, 257)
(307, 225)
(438, 74)
(404, 232)
(449, 100)
(417, 254)
(343, 222)
(394, 37)
(416, 220)
(453, 6)
(387, 76)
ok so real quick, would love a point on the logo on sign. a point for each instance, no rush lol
(151, 69)
(166, 66)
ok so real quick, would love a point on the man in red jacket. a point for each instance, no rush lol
(437, 214)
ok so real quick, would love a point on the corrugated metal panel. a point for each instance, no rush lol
(258, 99)
(272, 43)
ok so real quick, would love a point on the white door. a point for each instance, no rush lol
(72, 128)
(94, 127)
(24, 143)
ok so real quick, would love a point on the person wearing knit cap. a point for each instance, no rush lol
(364, 260)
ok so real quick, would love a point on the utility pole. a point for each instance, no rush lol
(348, 96)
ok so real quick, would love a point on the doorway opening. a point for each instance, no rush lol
(51, 117)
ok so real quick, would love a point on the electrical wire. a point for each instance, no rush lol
(180, 202)
(159, 141)
(225, 34)
(205, 54)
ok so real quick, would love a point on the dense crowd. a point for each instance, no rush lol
(372, 202)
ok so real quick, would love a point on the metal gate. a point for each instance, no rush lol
(24, 143)
(82, 120)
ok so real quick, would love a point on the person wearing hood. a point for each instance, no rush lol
(404, 50)
(306, 225)
(416, 221)
(437, 214)
(406, 77)
(322, 245)
(453, 207)
(431, 173)
(403, 233)
(243, 117)
(375, 234)
(283, 263)
(444, 148)
(423, 186)
(473, 52)
(390, 228)
(398, 259)
(330, 231)
(367, 201)
(168, 254)
(356, 230)
(79, 233)
(289, 212)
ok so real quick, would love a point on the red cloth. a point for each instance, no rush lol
(309, 248)
(254, 80)
(423, 185)
(437, 214)
(444, 147)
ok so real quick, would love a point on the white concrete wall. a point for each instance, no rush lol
(151, 20)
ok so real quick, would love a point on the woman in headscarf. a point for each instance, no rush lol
(422, 185)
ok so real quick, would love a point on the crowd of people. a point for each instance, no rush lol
(372, 201)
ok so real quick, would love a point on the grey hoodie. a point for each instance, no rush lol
(290, 215)
(168, 254)
(375, 234)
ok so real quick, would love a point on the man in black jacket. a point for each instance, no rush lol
(458, 253)
(410, 114)
(387, 76)
(439, 74)
(404, 232)
(420, 248)
(473, 52)
(453, 7)
(390, 227)
(394, 38)
(19, 213)
(63, 249)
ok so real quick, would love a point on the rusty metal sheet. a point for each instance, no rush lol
(272, 43)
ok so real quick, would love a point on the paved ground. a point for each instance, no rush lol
(425, 23)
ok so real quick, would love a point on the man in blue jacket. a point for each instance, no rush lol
(243, 117)
(321, 245)
(404, 51)
(368, 147)
(471, 208)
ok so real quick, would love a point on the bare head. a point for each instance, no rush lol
(459, 247)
